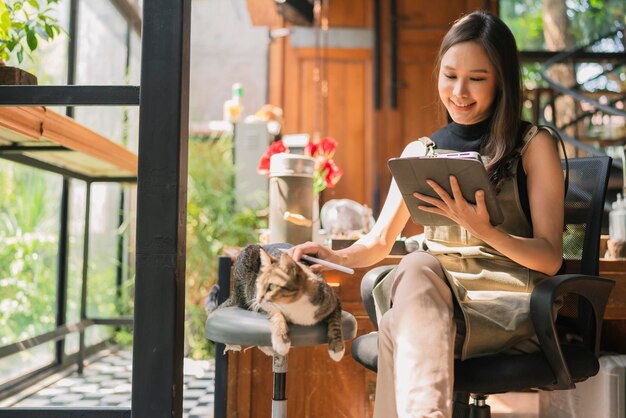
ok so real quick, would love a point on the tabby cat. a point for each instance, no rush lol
(268, 280)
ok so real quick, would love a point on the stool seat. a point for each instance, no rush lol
(236, 326)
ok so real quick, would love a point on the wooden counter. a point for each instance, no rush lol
(317, 387)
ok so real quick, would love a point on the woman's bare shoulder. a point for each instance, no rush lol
(541, 151)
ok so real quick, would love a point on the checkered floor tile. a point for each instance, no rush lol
(106, 381)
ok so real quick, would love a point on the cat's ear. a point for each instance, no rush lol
(266, 260)
(288, 264)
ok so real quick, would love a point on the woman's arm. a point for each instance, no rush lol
(544, 251)
(376, 244)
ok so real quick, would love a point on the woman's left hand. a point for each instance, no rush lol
(473, 217)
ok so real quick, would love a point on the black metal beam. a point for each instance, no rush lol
(69, 95)
(224, 265)
(122, 320)
(72, 48)
(84, 277)
(161, 211)
(65, 413)
(62, 267)
(57, 334)
(113, 179)
(32, 162)
(18, 149)
(527, 56)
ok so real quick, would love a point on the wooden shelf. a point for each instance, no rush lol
(42, 135)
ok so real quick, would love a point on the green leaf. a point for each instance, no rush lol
(34, 3)
(49, 31)
(20, 55)
(43, 34)
(31, 39)
(5, 18)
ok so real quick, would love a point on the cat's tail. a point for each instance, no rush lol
(336, 346)
(212, 300)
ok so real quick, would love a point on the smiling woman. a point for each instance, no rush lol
(467, 83)
(468, 293)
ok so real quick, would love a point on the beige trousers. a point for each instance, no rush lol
(416, 343)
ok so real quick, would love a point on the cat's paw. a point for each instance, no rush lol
(336, 349)
(231, 347)
(336, 355)
(281, 346)
(267, 351)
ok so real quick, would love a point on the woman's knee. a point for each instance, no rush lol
(419, 260)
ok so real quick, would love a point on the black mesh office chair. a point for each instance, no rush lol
(562, 361)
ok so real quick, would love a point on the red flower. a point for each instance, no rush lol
(264, 163)
(328, 146)
(332, 173)
(312, 148)
(327, 174)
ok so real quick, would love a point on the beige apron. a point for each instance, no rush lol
(492, 291)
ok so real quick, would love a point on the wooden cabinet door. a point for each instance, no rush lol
(347, 111)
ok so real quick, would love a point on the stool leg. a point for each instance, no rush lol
(479, 408)
(279, 400)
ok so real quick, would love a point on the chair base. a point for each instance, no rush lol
(279, 398)
(479, 411)
(461, 408)
(279, 409)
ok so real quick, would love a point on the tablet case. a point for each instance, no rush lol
(411, 174)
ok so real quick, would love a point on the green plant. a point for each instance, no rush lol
(213, 224)
(23, 23)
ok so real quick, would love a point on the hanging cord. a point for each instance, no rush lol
(324, 79)
(317, 76)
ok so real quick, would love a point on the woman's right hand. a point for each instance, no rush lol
(315, 250)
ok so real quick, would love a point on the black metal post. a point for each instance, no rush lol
(62, 268)
(119, 271)
(161, 211)
(220, 398)
(72, 49)
(85, 273)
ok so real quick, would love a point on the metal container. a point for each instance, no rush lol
(291, 198)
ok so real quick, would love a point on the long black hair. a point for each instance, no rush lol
(498, 41)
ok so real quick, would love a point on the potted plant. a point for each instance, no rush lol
(23, 24)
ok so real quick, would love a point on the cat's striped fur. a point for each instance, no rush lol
(267, 279)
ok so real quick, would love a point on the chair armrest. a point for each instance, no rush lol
(369, 281)
(594, 290)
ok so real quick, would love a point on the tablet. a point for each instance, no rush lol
(411, 173)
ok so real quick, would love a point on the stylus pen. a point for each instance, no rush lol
(323, 262)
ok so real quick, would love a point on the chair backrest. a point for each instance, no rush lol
(584, 209)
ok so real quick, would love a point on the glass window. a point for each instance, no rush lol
(101, 60)
(29, 234)
(26, 361)
(222, 32)
(76, 229)
(586, 21)
(104, 224)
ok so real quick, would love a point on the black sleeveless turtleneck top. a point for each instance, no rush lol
(463, 138)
